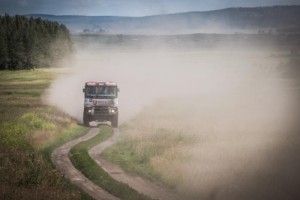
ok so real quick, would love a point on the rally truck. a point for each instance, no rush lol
(101, 103)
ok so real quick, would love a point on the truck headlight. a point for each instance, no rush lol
(112, 111)
(88, 110)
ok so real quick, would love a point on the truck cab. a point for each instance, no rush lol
(101, 102)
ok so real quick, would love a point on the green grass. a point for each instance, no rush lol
(136, 151)
(82, 161)
(64, 137)
(29, 131)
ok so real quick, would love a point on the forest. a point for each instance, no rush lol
(28, 43)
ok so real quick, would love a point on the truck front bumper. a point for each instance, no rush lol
(101, 112)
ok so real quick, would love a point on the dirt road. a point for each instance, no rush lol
(61, 159)
(63, 163)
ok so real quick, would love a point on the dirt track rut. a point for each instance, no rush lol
(62, 161)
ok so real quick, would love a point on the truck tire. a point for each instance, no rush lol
(86, 120)
(114, 121)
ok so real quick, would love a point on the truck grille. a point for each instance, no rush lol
(101, 111)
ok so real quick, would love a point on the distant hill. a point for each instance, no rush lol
(282, 19)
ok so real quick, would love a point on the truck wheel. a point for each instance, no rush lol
(114, 122)
(86, 120)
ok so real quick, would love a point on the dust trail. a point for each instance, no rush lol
(145, 75)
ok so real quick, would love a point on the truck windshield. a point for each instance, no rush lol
(101, 90)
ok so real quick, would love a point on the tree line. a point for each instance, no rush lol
(28, 43)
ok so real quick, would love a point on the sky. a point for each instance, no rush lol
(126, 7)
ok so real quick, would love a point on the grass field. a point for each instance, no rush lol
(29, 131)
(216, 146)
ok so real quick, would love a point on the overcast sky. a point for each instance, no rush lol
(126, 7)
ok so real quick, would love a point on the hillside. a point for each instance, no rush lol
(282, 19)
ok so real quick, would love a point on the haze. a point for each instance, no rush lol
(145, 75)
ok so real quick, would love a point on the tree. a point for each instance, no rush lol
(26, 43)
(3, 47)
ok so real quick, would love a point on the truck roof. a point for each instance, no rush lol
(93, 83)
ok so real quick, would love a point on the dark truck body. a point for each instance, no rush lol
(101, 102)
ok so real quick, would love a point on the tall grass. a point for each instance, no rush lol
(209, 145)
(28, 127)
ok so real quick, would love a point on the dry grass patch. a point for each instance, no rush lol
(208, 146)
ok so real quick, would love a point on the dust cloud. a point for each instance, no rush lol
(144, 75)
(229, 89)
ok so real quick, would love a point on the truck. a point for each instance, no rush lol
(101, 103)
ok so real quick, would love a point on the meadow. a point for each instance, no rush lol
(233, 137)
(29, 130)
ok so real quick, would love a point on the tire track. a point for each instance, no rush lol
(139, 184)
(60, 157)
(63, 163)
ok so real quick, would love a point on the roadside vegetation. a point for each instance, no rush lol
(29, 130)
(212, 145)
(80, 158)
(153, 144)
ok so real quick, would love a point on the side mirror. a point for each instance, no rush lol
(83, 90)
